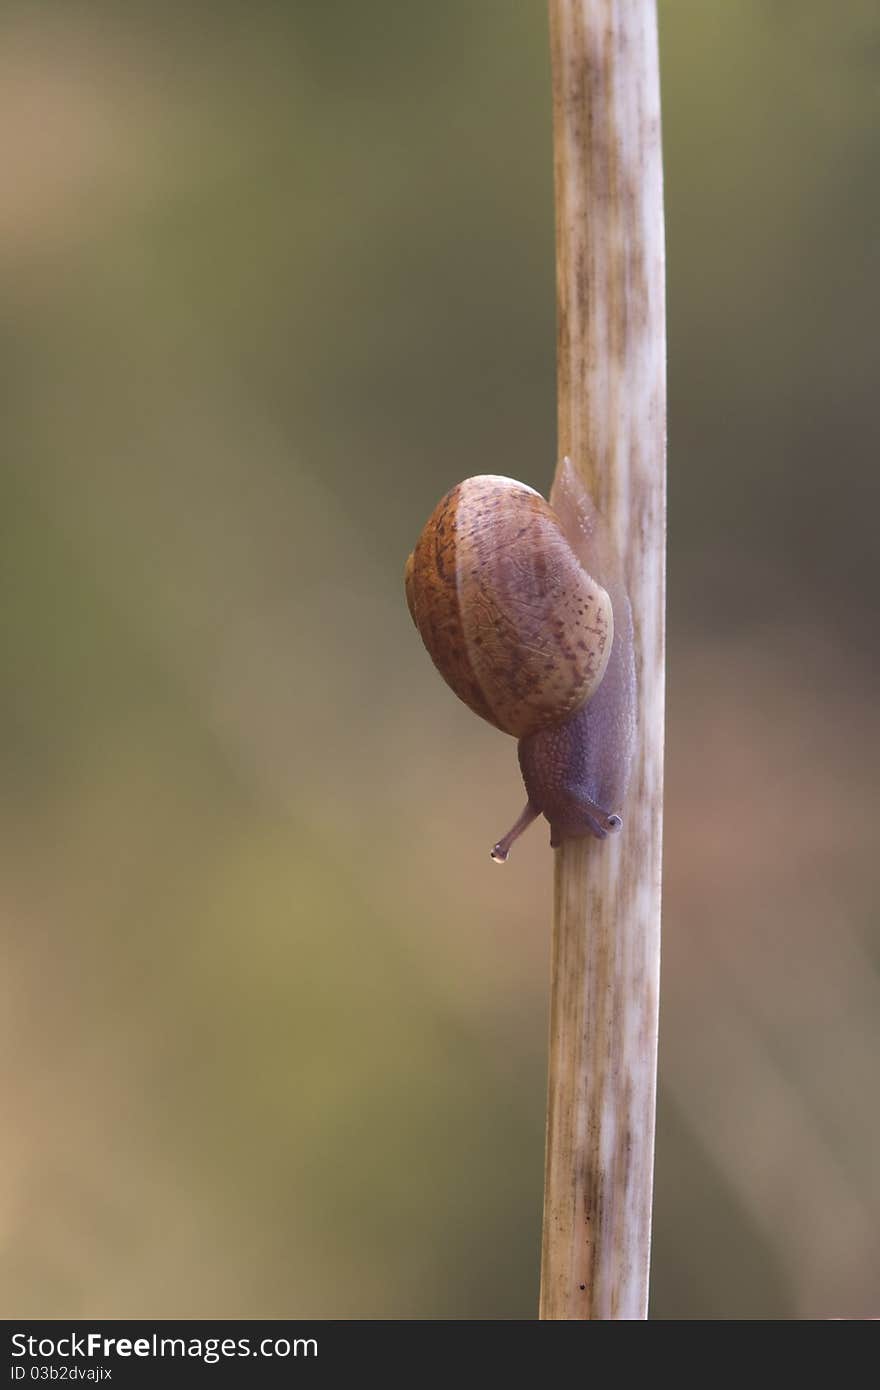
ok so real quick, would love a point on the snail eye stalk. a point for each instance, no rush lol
(501, 851)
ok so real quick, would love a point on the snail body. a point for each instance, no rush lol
(502, 590)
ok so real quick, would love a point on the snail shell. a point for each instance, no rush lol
(509, 615)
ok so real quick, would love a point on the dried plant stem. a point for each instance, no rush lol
(611, 383)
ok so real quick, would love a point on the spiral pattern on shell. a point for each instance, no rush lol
(509, 616)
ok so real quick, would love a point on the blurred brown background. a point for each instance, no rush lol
(273, 277)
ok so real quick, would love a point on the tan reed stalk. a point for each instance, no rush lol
(612, 424)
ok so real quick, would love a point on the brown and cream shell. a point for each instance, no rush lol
(511, 619)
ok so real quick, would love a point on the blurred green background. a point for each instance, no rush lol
(273, 277)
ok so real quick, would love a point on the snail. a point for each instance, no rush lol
(504, 588)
